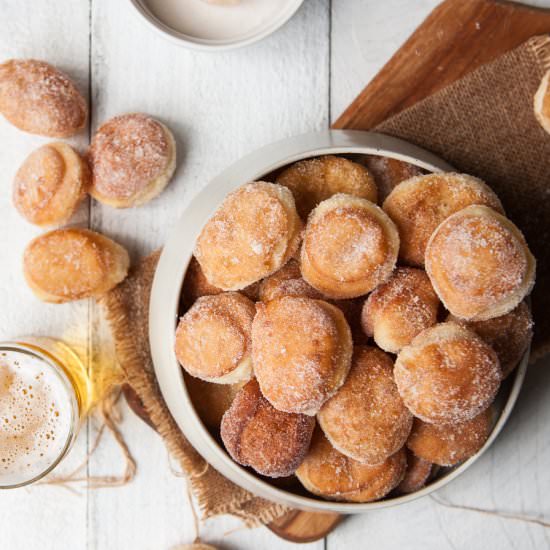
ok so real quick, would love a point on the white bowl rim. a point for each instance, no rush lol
(204, 44)
(168, 280)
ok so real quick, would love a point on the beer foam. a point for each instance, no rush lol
(35, 416)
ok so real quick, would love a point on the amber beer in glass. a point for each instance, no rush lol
(44, 395)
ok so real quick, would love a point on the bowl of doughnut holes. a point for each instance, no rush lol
(340, 321)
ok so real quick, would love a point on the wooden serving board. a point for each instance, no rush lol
(456, 38)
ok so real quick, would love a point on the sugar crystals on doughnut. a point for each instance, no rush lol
(389, 172)
(447, 374)
(211, 400)
(350, 247)
(420, 204)
(50, 184)
(509, 335)
(38, 98)
(254, 232)
(329, 474)
(272, 442)
(399, 309)
(366, 419)
(479, 264)
(71, 264)
(449, 444)
(288, 281)
(213, 338)
(132, 157)
(315, 180)
(417, 474)
(301, 350)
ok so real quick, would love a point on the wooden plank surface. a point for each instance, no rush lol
(39, 517)
(456, 38)
(222, 106)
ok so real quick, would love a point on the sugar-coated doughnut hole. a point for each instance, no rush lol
(449, 444)
(366, 419)
(399, 309)
(50, 184)
(71, 264)
(479, 264)
(301, 351)
(253, 233)
(213, 339)
(389, 173)
(418, 205)
(509, 335)
(255, 434)
(329, 474)
(40, 99)
(417, 474)
(350, 247)
(447, 374)
(314, 180)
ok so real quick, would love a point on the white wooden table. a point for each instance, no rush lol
(220, 107)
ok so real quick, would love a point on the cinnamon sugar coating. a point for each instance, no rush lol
(70, 264)
(479, 264)
(38, 98)
(418, 205)
(301, 350)
(350, 247)
(315, 180)
(447, 374)
(366, 419)
(254, 232)
(330, 474)
(213, 338)
(50, 184)
(255, 434)
(417, 474)
(509, 335)
(288, 281)
(449, 444)
(196, 285)
(389, 173)
(211, 400)
(398, 310)
(132, 157)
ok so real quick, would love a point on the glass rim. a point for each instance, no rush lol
(60, 372)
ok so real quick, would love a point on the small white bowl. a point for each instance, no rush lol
(193, 39)
(167, 286)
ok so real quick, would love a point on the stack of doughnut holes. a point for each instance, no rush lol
(130, 160)
(352, 335)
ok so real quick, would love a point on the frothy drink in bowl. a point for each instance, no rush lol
(43, 396)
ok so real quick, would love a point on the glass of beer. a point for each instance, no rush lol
(44, 395)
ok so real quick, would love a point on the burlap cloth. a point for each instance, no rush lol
(483, 125)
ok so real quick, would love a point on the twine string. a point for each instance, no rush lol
(111, 417)
(495, 513)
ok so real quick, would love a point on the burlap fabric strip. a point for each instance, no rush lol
(483, 125)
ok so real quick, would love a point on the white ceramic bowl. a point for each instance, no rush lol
(285, 10)
(167, 287)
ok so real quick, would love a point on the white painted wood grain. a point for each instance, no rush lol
(220, 107)
(55, 30)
